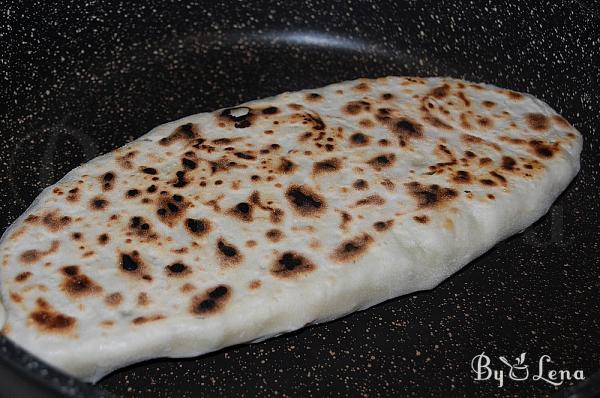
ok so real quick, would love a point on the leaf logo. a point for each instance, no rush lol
(518, 371)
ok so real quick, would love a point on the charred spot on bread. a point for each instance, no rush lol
(359, 139)
(437, 122)
(360, 184)
(356, 107)
(198, 226)
(241, 117)
(271, 110)
(186, 131)
(132, 265)
(98, 203)
(543, 149)
(218, 292)
(421, 219)
(50, 219)
(327, 166)
(352, 249)
(49, 320)
(381, 226)
(188, 163)
(313, 97)
(113, 299)
(23, 276)
(149, 170)
(408, 128)
(382, 161)
(285, 166)
(132, 193)
(488, 182)
(76, 284)
(140, 320)
(180, 180)
(177, 269)
(74, 194)
(291, 264)
(440, 92)
(227, 253)
(462, 177)
(243, 211)
(508, 163)
(371, 200)
(52, 321)
(171, 208)
(274, 235)
(316, 121)
(305, 201)
(245, 155)
(128, 263)
(214, 300)
(103, 239)
(33, 255)
(432, 195)
(537, 121)
(404, 128)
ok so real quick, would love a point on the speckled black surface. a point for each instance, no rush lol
(79, 79)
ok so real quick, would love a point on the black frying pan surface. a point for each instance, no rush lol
(78, 80)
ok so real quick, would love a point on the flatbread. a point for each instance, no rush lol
(248, 222)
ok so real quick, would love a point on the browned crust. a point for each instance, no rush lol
(352, 249)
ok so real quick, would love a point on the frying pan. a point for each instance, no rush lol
(82, 78)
